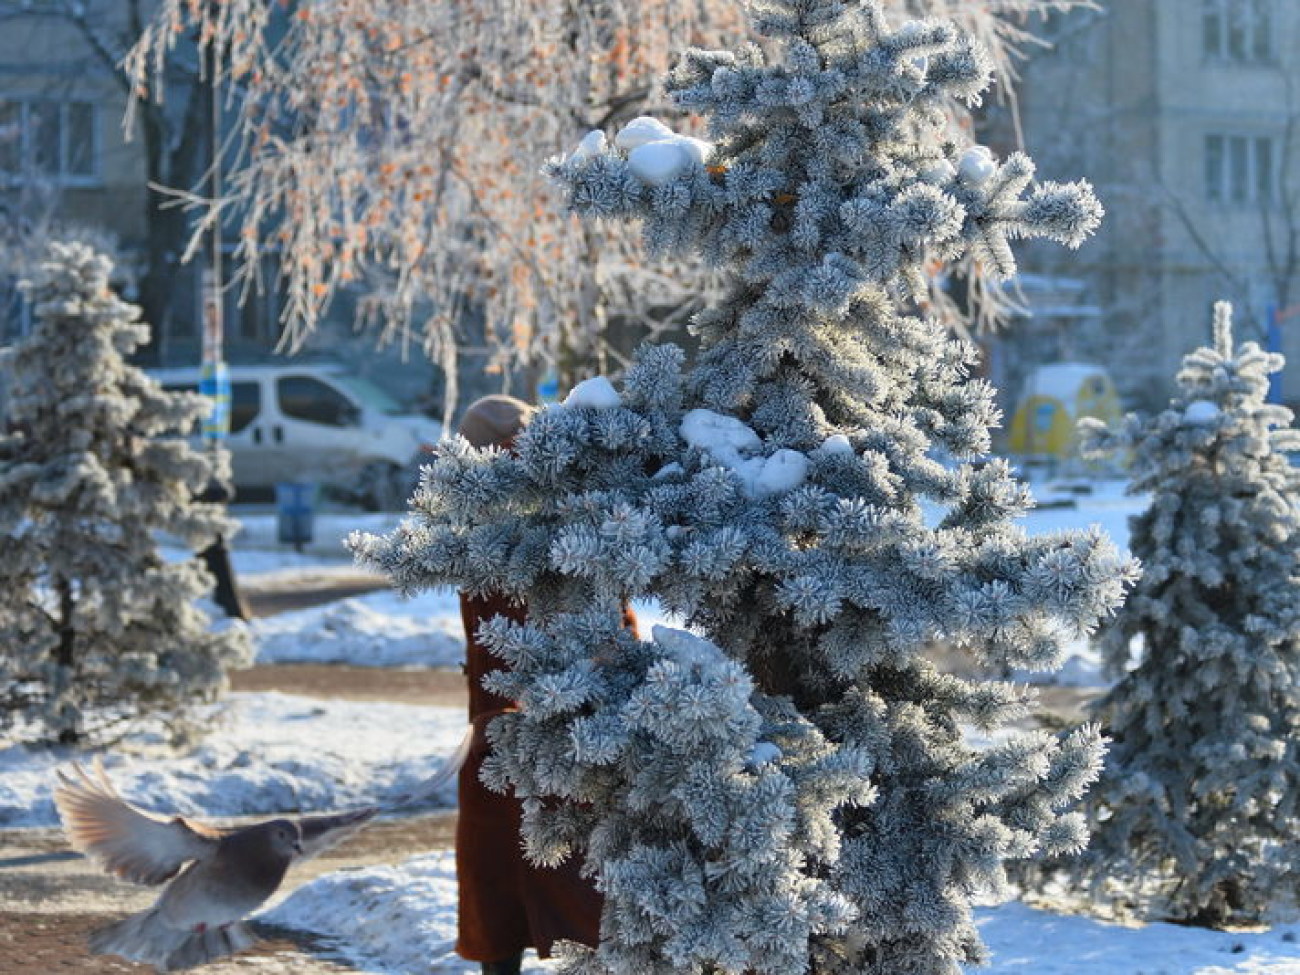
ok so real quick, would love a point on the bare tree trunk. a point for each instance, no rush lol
(168, 226)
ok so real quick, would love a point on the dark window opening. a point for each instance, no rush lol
(304, 398)
(245, 404)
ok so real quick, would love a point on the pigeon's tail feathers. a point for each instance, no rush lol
(319, 833)
(146, 937)
(208, 945)
(426, 789)
(143, 937)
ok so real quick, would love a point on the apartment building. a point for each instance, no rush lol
(1184, 115)
(66, 158)
(62, 153)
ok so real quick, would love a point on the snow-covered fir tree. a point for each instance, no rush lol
(95, 626)
(788, 788)
(1197, 814)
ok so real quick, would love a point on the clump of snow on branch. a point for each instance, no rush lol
(730, 442)
(597, 393)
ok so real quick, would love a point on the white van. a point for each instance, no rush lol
(319, 423)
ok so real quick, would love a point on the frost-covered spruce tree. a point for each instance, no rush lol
(790, 788)
(95, 626)
(1197, 814)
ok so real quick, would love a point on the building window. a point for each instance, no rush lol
(1238, 30)
(1240, 169)
(46, 139)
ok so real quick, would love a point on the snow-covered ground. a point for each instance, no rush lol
(418, 899)
(267, 753)
(280, 753)
(377, 630)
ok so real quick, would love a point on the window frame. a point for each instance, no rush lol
(1246, 25)
(240, 417)
(29, 171)
(1240, 168)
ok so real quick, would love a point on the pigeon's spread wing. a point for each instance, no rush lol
(130, 842)
(319, 833)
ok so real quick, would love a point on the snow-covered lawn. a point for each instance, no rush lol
(1024, 941)
(377, 630)
(267, 753)
(281, 753)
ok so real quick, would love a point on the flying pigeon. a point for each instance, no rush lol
(218, 876)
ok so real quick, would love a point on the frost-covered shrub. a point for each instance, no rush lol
(792, 790)
(1197, 814)
(95, 626)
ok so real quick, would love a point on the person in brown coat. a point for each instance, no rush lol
(505, 903)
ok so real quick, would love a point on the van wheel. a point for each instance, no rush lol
(383, 487)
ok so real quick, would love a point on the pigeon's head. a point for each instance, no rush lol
(285, 838)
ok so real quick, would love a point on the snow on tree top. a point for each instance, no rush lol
(728, 440)
(784, 471)
(663, 160)
(685, 647)
(1201, 412)
(657, 163)
(911, 32)
(763, 753)
(941, 172)
(669, 470)
(592, 144)
(836, 443)
(655, 153)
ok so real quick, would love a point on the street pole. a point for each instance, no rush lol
(214, 375)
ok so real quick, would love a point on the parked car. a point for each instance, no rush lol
(320, 423)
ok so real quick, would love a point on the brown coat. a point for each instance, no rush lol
(506, 903)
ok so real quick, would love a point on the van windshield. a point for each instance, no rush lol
(369, 394)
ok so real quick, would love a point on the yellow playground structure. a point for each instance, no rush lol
(1055, 398)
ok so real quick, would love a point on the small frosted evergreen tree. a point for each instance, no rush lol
(789, 788)
(95, 627)
(1197, 815)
